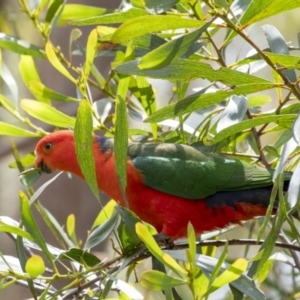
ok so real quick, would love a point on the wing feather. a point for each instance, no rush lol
(187, 172)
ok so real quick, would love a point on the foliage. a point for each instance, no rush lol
(179, 41)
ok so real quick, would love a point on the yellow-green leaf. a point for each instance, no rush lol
(105, 213)
(47, 113)
(91, 49)
(28, 72)
(11, 130)
(84, 145)
(40, 90)
(50, 51)
(158, 281)
(152, 23)
(229, 275)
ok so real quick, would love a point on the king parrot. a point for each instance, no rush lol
(169, 185)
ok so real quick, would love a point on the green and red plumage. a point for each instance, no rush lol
(170, 185)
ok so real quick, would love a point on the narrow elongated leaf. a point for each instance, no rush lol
(81, 256)
(105, 213)
(11, 130)
(84, 145)
(101, 232)
(259, 10)
(121, 141)
(126, 229)
(187, 70)
(47, 114)
(277, 44)
(158, 281)
(285, 60)
(28, 72)
(78, 11)
(248, 124)
(8, 105)
(234, 271)
(39, 191)
(26, 160)
(233, 113)
(10, 81)
(50, 51)
(29, 177)
(19, 46)
(32, 227)
(165, 54)
(149, 24)
(207, 264)
(15, 231)
(39, 89)
(90, 53)
(155, 250)
(198, 101)
(52, 10)
(119, 17)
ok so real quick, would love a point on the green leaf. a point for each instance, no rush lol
(47, 113)
(101, 232)
(265, 270)
(33, 229)
(158, 281)
(105, 213)
(192, 243)
(26, 161)
(77, 11)
(90, 54)
(19, 46)
(187, 70)
(145, 236)
(35, 266)
(53, 59)
(200, 100)
(259, 10)
(165, 54)
(74, 36)
(121, 142)
(284, 60)
(53, 9)
(248, 124)
(28, 72)
(258, 100)
(84, 145)
(15, 230)
(29, 177)
(278, 44)
(38, 192)
(126, 229)
(81, 256)
(148, 24)
(11, 130)
(244, 283)
(40, 90)
(232, 273)
(118, 17)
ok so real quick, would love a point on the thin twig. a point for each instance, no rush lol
(146, 254)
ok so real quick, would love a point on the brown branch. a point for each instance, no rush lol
(146, 254)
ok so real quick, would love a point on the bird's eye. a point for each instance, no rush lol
(48, 146)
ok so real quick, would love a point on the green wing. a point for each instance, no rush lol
(189, 173)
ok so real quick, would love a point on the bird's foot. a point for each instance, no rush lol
(164, 241)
